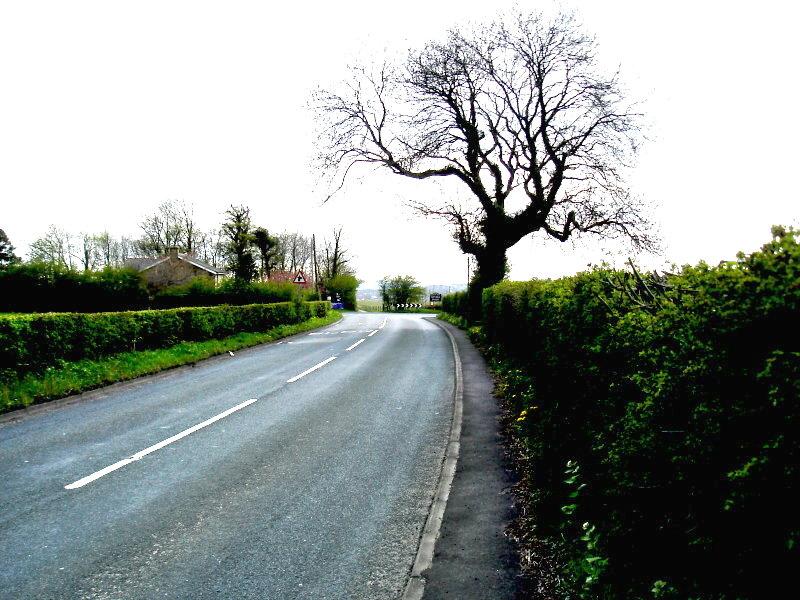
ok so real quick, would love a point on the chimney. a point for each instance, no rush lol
(172, 251)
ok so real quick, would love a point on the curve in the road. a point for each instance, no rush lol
(320, 488)
(415, 587)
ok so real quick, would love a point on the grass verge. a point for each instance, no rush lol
(377, 306)
(370, 305)
(80, 376)
(459, 322)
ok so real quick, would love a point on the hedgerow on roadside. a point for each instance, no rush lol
(36, 287)
(33, 342)
(204, 292)
(456, 303)
(660, 420)
(73, 377)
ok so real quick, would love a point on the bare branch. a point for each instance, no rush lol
(512, 108)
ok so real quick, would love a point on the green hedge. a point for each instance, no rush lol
(47, 288)
(33, 287)
(456, 303)
(679, 413)
(202, 291)
(31, 343)
(345, 286)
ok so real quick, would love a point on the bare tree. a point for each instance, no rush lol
(88, 252)
(281, 254)
(187, 226)
(293, 252)
(107, 249)
(54, 248)
(334, 257)
(211, 248)
(204, 247)
(518, 113)
(172, 225)
(126, 249)
(301, 252)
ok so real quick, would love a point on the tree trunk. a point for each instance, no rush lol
(491, 269)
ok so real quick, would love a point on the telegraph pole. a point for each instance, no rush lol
(314, 263)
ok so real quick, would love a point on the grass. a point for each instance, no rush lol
(80, 376)
(377, 306)
(370, 305)
(459, 322)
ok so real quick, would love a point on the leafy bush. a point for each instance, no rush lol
(345, 286)
(682, 412)
(456, 303)
(32, 343)
(453, 319)
(30, 288)
(47, 288)
(202, 292)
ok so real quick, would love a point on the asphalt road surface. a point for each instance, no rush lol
(252, 476)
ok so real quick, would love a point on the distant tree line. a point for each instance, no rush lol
(85, 271)
(7, 256)
(247, 250)
(252, 252)
(399, 290)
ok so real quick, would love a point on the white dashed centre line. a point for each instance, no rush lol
(354, 345)
(142, 453)
(384, 323)
(311, 370)
(373, 332)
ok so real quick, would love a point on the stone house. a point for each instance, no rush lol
(175, 268)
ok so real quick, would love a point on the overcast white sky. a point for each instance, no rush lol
(108, 108)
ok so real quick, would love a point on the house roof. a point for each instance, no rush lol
(143, 264)
(201, 264)
(140, 264)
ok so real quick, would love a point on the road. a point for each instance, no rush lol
(252, 476)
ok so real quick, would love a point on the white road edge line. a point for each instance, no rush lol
(415, 586)
(142, 453)
(373, 332)
(354, 345)
(311, 370)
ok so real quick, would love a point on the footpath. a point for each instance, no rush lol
(473, 559)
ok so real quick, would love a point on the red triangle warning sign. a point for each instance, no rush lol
(299, 278)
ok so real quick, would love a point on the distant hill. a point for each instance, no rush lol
(445, 289)
(367, 294)
(374, 293)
